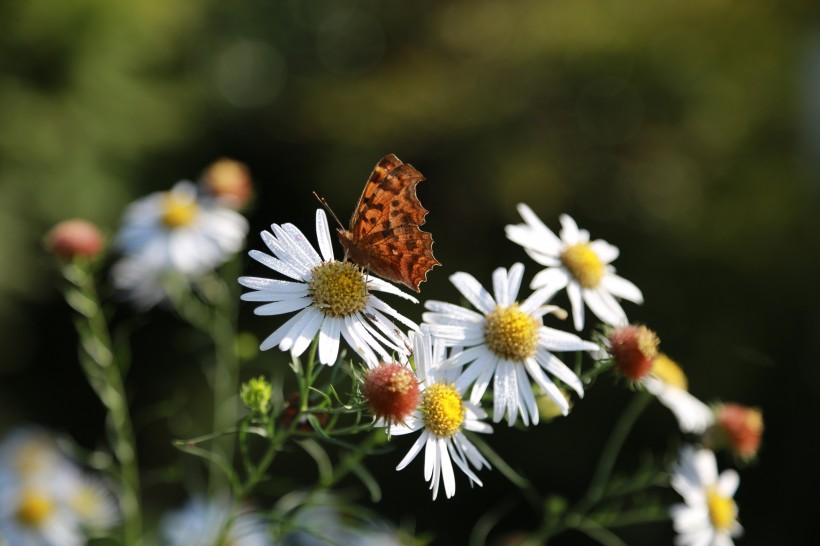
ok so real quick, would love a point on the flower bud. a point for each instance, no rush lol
(738, 428)
(256, 395)
(229, 182)
(633, 348)
(74, 238)
(392, 392)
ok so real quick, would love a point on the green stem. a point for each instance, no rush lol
(577, 517)
(104, 374)
(611, 450)
(225, 380)
(278, 439)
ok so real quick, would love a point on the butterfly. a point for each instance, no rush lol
(384, 235)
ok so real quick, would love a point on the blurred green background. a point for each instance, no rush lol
(686, 133)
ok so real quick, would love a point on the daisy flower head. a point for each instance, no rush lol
(33, 512)
(505, 341)
(200, 522)
(738, 428)
(633, 349)
(45, 498)
(708, 516)
(392, 392)
(75, 238)
(667, 382)
(332, 299)
(173, 232)
(442, 417)
(574, 262)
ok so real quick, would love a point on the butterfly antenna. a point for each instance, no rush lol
(323, 202)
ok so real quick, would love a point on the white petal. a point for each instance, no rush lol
(447, 473)
(547, 386)
(350, 332)
(277, 265)
(486, 366)
(604, 306)
(285, 306)
(458, 312)
(606, 252)
(514, 277)
(329, 340)
(621, 288)
(323, 235)
(548, 243)
(526, 398)
(500, 287)
(376, 303)
(577, 303)
(553, 365)
(471, 289)
(558, 340)
(430, 456)
(302, 335)
(551, 279)
(279, 334)
(570, 234)
(272, 285)
(706, 466)
(728, 482)
(374, 283)
(505, 393)
(414, 450)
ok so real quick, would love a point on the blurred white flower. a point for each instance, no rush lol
(174, 232)
(575, 263)
(200, 522)
(668, 383)
(709, 515)
(46, 499)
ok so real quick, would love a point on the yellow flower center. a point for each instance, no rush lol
(338, 288)
(178, 209)
(35, 507)
(722, 510)
(583, 264)
(511, 333)
(85, 502)
(665, 369)
(442, 409)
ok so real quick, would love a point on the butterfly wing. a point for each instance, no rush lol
(384, 234)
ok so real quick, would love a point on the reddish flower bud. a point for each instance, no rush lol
(392, 392)
(634, 348)
(229, 181)
(74, 238)
(738, 428)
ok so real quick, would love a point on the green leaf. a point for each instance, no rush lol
(320, 456)
(369, 482)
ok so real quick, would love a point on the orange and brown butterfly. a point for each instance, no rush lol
(384, 235)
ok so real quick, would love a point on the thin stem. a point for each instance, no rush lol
(225, 378)
(611, 450)
(105, 376)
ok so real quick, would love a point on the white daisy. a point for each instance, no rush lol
(44, 495)
(173, 232)
(709, 515)
(575, 263)
(507, 342)
(442, 417)
(92, 501)
(332, 298)
(668, 383)
(200, 522)
(33, 512)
